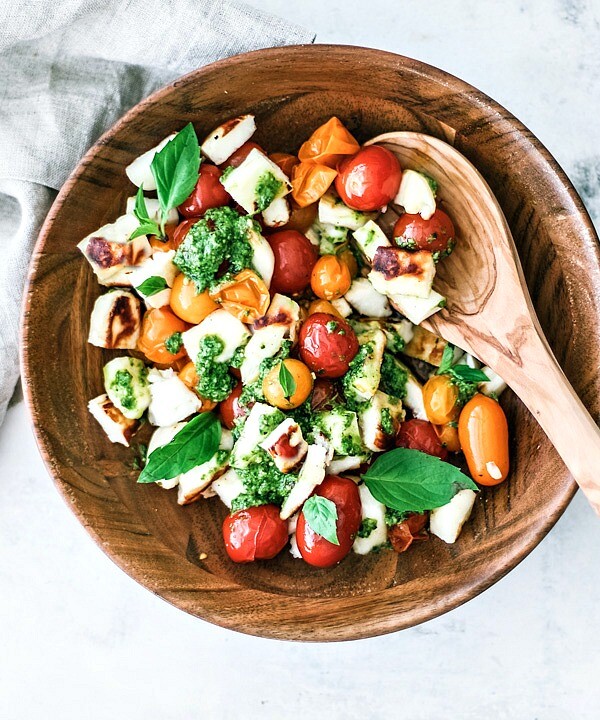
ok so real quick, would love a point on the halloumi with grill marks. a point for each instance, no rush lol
(116, 321)
(286, 445)
(117, 427)
(312, 474)
(220, 144)
(399, 272)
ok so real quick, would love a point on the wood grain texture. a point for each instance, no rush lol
(142, 529)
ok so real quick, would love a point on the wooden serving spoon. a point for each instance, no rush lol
(489, 312)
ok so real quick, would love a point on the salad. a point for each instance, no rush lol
(270, 305)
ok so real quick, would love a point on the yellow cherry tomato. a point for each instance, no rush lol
(323, 306)
(330, 278)
(483, 434)
(187, 304)
(347, 256)
(439, 398)
(448, 435)
(298, 382)
(189, 376)
(157, 326)
(246, 296)
(328, 144)
(310, 181)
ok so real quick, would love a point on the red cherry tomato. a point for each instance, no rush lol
(314, 548)
(181, 231)
(295, 258)
(257, 533)
(370, 179)
(436, 234)
(323, 392)
(327, 345)
(420, 435)
(241, 154)
(402, 535)
(208, 193)
(230, 408)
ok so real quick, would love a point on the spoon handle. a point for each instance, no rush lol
(536, 377)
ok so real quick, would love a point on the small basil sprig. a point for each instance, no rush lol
(193, 445)
(152, 285)
(465, 378)
(148, 226)
(412, 481)
(287, 382)
(321, 515)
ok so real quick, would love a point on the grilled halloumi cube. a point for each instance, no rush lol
(139, 170)
(425, 346)
(327, 237)
(111, 254)
(362, 380)
(223, 141)
(418, 309)
(340, 428)
(447, 521)
(286, 445)
(163, 436)
(193, 482)
(126, 384)
(116, 321)
(223, 325)
(369, 238)
(117, 427)
(413, 399)
(495, 385)
(228, 486)
(379, 420)
(153, 208)
(399, 272)
(416, 194)
(277, 214)
(371, 509)
(255, 429)
(312, 474)
(366, 300)
(342, 306)
(263, 259)
(242, 182)
(170, 399)
(343, 464)
(333, 211)
(159, 266)
(397, 334)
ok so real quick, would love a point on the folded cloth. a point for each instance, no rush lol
(69, 70)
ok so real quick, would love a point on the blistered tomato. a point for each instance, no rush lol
(314, 548)
(301, 218)
(310, 182)
(295, 258)
(440, 396)
(420, 435)
(403, 534)
(208, 193)
(171, 243)
(187, 304)
(238, 157)
(448, 435)
(483, 433)
(158, 325)
(285, 162)
(327, 345)
(182, 230)
(257, 533)
(370, 179)
(330, 278)
(329, 144)
(230, 408)
(287, 390)
(246, 296)
(436, 234)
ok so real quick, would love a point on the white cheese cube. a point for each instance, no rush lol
(222, 142)
(399, 272)
(447, 521)
(126, 384)
(223, 325)
(343, 464)
(277, 214)
(369, 237)
(160, 265)
(193, 482)
(379, 420)
(228, 486)
(333, 211)
(117, 427)
(414, 394)
(286, 445)
(263, 259)
(153, 208)
(139, 170)
(253, 433)
(342, 306)
(242, 182)
(116, 321)
(340, 429)
(418, 309)
(495, 385)
(294, 550)
(364, 381)
(312, 473)
(416, 194)
(374, 510)
(170, 399)
(366, 300)
(326, 237)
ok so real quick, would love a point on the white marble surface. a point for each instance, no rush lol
(79, 639)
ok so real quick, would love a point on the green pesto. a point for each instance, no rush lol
(366, 527)
(432, 184)
(393, 517)
(406, 243)
(387, 424)
(440, 254)
(331, 326)
(466, 389)
(394, 341)
(215, 382)
(393, 377)
(266, 190)
(174, 342)
(218, 238)
(238, 357)
(122, 384)
(252, 392)
(226, 173)
(268, 423)
(355, 370)
(305, 417)
(263, 483)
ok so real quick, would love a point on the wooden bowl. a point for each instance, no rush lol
(291, 91)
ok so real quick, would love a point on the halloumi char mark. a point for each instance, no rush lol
(117, 427)
(170, 399)
(242, 183)
(312, 474)
(277, 213)
(379, 420)
(425, 346)
(220, 323)
(220, 144)
(366, 300)
(374, 510)
(399, 272)
(116, 321)
(139, 170)
(286, 445)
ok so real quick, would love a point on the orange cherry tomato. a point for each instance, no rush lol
(301, 218)
(448, 435)
(302, 384)
(330, 278)
(158, 325)
(347, 256)
(439, 398)
(172, 242)
(285, 161)
(189, 377)
(328, 144)
(246, 296)
(310, 181)
(323, 306)
(483, 434)
(187, 304)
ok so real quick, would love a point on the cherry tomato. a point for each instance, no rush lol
(370, 179)
(440, 395)
(323, 392)
(187, 304)
(230, 408)
(327, 345)
(420, 435)
(257, 533)
(330, 278)
(310, 182)
(285, 162)
(241, 154)
(314, 548)
(436, 234)
(295, 258)
(189, 376)
(347, 257)
(208, 193)
(158, 325)
(246, 296)
(322, 306)
(483, 433)
(182, 230)
(301, 381)
(301, 218)
(448, 435)
(402, 535)
(329, 144)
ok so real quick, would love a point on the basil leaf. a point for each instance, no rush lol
(194, 444)
(447, 358)
(321, 516)
(287, 382)
(175, 169)
(411, 481)
(147, 229)
(148, 226)
(469, 374)
(152, 285)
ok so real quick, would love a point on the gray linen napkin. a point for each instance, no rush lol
(68, 71)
